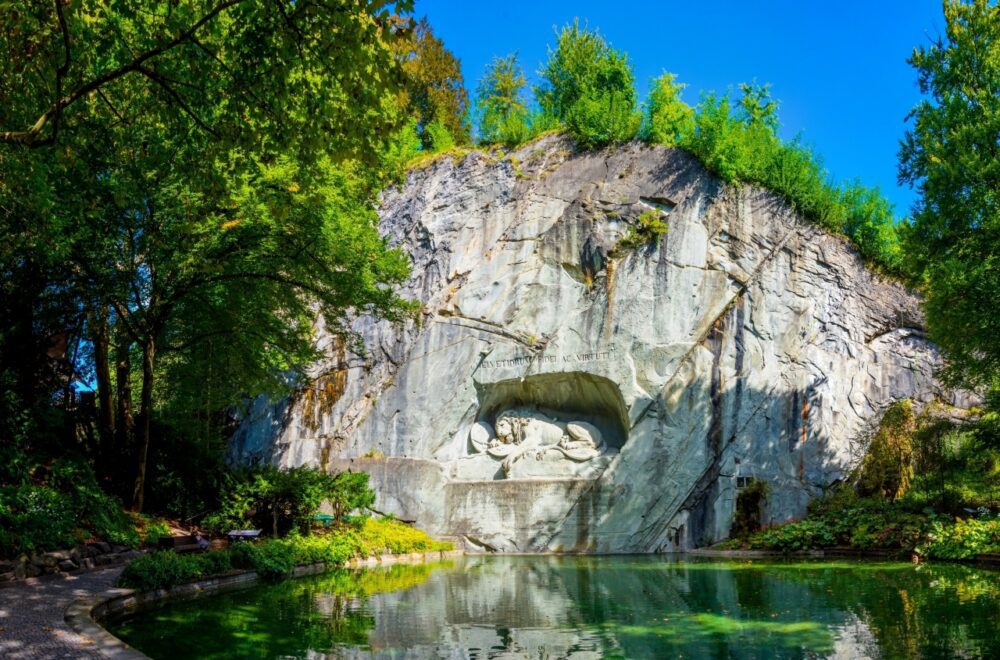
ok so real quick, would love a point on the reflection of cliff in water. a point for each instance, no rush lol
(591, 607)
(577, 607)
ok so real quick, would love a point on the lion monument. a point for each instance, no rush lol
(521, 431)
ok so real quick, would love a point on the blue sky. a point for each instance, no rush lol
(838, 68)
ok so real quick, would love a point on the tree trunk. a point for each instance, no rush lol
(146, 417)
(100, 336)
(123, 379)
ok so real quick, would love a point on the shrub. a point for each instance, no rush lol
(161, 570)
(962, 539)
(438, 137)
(379, 536)
(504, 117)
(887, 468)
(152, 530)
(286, 500)
(590, 88)
(60, 504)
(648, 228)
(739, 142)
(667, 119)
(275, 558)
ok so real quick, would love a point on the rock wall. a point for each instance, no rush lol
(565, 389)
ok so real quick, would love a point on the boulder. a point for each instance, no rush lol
(68, 565)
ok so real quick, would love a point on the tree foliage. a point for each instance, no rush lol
(501, 106)
(951, 154)
(667, 118)
(186, 187)
(590, 88)
(739, 141)
(435, 90)
(283, 501)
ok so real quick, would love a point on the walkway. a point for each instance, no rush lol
(31, 615)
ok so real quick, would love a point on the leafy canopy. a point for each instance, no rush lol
(951, 154)
(590, 88)
(201, 177)
(435, 93)
(667, 118)
(501, 106)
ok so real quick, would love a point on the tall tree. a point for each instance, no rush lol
(435, 89)
(951, 154)
(590, 88)
(163, 164)
(667, 118)
(501, 105)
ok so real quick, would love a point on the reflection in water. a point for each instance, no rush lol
(591, 607)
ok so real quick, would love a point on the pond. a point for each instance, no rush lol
(591, 607)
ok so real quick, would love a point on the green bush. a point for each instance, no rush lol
(282, 501)
(887, 468)
(590, 88)
(961, 539)
(153, 529)
(58, 505)
(667, 119)
(438, 137)
(275, 558)
(649, 227)
(749, 505)
(504, 117)
(160, 570)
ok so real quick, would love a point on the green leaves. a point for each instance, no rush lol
(951, 154)
(667, 118)
(590, 88)
(500, 103)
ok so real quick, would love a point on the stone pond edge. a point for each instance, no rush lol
(85, 615)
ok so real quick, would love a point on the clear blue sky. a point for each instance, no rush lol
(838, 68)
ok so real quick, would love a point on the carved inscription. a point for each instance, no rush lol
(568, 358)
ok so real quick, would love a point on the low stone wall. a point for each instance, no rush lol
(85, 615)
(82, 557)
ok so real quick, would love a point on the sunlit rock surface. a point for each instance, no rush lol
(743, 343)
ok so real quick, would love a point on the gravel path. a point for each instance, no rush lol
(31, 615)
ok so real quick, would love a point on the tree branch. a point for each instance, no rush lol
(30, 137)
(162, 82)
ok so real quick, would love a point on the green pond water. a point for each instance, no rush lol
(591, 607)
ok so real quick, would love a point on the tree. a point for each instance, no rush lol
(435, 89)
(951, 154)
(501, 107)
(590, 88)
(668, 119)
(208, 181)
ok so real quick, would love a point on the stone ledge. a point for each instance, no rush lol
(86, 614)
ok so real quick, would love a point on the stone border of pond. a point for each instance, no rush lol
(86, 615)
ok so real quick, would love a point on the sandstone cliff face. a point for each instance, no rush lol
(743, 343)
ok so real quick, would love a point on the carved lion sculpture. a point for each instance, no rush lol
(523, 430)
